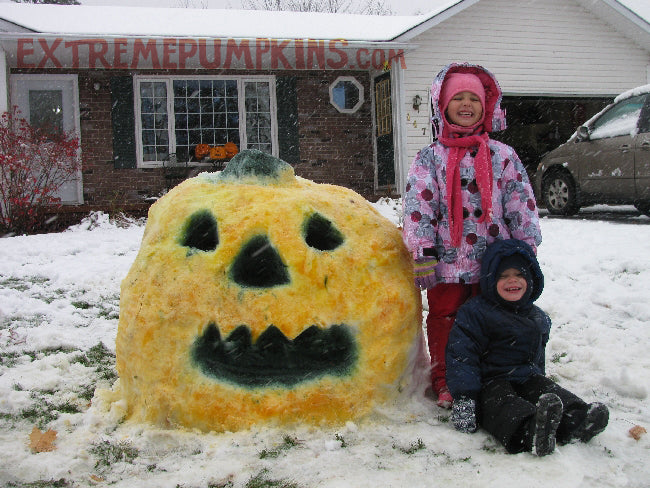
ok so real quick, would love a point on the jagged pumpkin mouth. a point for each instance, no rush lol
(274, 359)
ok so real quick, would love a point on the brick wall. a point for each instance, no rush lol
(334, 147)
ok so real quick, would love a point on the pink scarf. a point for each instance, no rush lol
(483, 170)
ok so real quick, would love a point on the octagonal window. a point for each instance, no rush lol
(346, 94)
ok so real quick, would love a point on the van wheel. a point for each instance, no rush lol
(643, 207)
(559, 194)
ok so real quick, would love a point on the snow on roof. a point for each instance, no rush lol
(79, 20)
(82, 20)
(640, 7)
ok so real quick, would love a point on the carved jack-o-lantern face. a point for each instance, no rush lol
(258, 297)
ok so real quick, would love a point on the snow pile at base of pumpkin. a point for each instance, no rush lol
(261, 297)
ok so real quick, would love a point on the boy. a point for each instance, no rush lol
(496, 361)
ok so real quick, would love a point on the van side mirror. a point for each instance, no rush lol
(583, 133)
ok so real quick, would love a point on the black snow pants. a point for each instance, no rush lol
(507, 411)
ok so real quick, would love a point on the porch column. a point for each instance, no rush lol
(402, 163)
(4, 82)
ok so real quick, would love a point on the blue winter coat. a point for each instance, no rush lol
(489, 340)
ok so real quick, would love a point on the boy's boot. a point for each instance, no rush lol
(547, 419)
(594, 422)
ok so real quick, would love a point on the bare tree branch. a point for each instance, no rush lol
(49, 2)
(366, 7)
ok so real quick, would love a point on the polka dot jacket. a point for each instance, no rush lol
(426, 216)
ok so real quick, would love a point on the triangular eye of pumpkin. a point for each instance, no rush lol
(201, 232)
(321, 234)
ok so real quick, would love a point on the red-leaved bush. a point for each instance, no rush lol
(34, 164)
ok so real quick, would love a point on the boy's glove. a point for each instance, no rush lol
(425, 272)
(463, 415)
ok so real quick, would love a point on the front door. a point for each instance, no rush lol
(384, 124)
(50, 100)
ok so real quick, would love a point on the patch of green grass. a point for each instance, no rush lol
(100, 358)
(451, 460)
(287, 443)
(105, 307)
(48, 296)
(107, 453)
(87, 392)
(558, 356)
(14, 284)
(413, 447)
(221, 484)
(58, 293)
(61, 483)
(340, 438)
(261, 480)
(22, 284)
(225, 484)
(11, 321)
(7, 417)
(216, 484)
(10, 359)
(43, 411)
(109, 307)
(491, 447)
(103, 361)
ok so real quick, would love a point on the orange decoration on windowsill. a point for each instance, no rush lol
(201, 151)
(228, 150)
(231, 149)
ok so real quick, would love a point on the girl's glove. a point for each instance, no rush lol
(463, 415)
(425, 272)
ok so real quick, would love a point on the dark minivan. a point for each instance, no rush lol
(607, 160)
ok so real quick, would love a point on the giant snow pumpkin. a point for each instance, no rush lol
(261, 297)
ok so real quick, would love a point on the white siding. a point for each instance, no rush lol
(544, 47)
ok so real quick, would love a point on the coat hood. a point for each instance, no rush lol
(495, 116)
(499, 250)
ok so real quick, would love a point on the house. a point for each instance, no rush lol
(143, 87)
(558, 63)
(343, 98)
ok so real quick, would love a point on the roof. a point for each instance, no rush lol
(630, 16)
(79, 20)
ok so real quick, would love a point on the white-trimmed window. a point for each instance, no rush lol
(174, 114)
(346, 94)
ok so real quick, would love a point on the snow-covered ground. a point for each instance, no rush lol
(59, 304)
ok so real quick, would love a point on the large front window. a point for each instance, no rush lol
(177, 114)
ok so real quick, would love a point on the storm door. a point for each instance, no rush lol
(50, 100)
(384, 128)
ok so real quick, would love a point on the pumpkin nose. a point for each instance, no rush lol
(259, 265)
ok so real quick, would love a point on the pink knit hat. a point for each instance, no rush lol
(458, 82)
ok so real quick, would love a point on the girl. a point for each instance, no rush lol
(463, 192)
